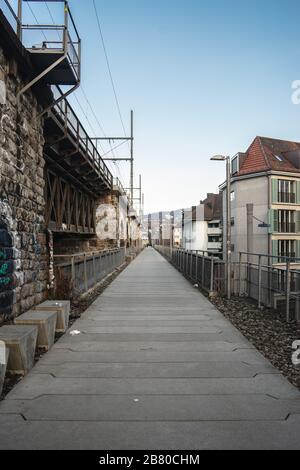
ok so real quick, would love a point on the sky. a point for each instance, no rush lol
(203, 77)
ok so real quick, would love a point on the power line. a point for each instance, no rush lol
(34, 16)
(87, 101)
(108, 66)
(93, 112)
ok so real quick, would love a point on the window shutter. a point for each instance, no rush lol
(298, 192)
(275, 190)
(273, 220)
(297, 220)
(298, 248)
(275, 250)
(276, 221)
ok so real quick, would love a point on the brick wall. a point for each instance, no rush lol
(23, 243)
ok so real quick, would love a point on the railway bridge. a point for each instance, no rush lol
(57, 195)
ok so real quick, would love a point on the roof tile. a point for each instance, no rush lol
(262, 156)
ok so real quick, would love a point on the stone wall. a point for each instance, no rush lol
(111, 222)
(23, 245)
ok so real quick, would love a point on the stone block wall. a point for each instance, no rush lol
(108, 217)
(24, 266)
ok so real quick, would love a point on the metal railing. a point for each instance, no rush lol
(68, 119)
(117, 182)
(67, 43)
(201, 267)
(273, 281)
(84, 270)
(10, 14)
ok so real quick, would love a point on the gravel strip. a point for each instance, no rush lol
(267, 330)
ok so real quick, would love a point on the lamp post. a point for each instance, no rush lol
(222, 158)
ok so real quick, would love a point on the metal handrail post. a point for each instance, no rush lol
(240, 275)
(202, 271)
(212, 275)
(85, 272)
(259, 281)
(288, 290)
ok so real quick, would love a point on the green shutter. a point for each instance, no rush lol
(297, 220)
(274, 191)
(275, 250)
(297, 248)
(273, 220)
(298, 192)
(276, 221)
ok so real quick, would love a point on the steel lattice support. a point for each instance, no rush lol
(68, 209)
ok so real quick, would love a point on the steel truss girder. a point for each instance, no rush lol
(68, 209)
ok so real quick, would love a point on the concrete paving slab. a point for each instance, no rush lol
(169, 330)
(155, 370)
(45, 384)
(180, 346)
(150, 337)
(66, 435)
(61, 356)
(146, 373)
(150, 408)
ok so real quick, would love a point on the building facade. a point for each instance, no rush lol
(265, 200)
(202, 226)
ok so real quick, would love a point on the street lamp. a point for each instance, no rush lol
(221, 158)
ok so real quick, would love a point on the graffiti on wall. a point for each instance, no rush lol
(8, 274)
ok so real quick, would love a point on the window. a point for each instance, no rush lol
(286, 191)
(286, 221)
(235, 165)
(287, 248)
(232, 196)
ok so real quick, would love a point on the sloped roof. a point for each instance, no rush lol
(270, 154)
(213, 206)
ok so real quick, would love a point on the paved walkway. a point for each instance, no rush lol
(156, 366)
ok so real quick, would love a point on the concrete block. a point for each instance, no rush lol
(44, 321)
(4, 353)
(62, 308)
(21, 342)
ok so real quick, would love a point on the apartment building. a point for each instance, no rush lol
(265, 199)
(202, 226)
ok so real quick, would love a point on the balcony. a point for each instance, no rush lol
(55, 49)
(214, 246)
(286, 198)
(214, 231)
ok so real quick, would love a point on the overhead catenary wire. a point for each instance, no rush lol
(37, 22)
(109, 67)
(88, 103)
